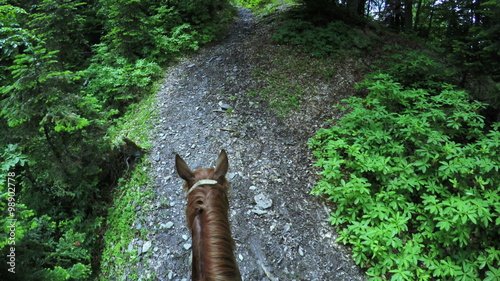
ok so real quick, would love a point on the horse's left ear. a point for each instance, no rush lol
(183, 169)
(222, 165)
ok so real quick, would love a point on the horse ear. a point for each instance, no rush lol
(222, 165)
(182, 169)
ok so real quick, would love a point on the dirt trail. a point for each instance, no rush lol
(280, 230)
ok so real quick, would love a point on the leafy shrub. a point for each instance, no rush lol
(415, 68)
(69, 70)
(54, 250)
(160, 30)
(121, 82)
(416, 182)
(251, 3)
(182, 40)
(264, 7)
(320, 40)
(12, 37)
(77, 272)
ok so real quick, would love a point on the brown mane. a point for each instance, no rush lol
(208, 220)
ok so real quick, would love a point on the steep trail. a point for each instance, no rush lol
(280, 229)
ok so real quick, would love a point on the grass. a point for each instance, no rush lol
(264, 7)
(287, 76)
(283, 95)
(134, 189)
(116, 260)
(136, 124)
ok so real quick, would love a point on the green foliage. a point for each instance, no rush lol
(77, 272)
(159, 30)
(283, 96)
(415, 68)
(136, 124)
(487, 37)
(60, 24)
(69, 69)
(332, 39)
(467, 34)
(264, 7)
(55, 250)
(67, 251)
(116, 258)
(119, 83)
(252, 4)
(477, 53)
(12, 36)
(44, 105)
(39, 88)
(127, 28)
(415, 178)
(11, 159)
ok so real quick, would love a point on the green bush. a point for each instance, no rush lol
(251, 4)
(68, 72)
(415, 178)
(415, 68)
(121, 82)
(159, 31)
(66, 257)
(320, 41)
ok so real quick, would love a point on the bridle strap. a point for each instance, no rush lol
(202, 182)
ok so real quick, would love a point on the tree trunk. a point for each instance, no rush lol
(417, 16)
(361, 7)
(408, 16)
(352, 6)
(428, 33)
(393, 14)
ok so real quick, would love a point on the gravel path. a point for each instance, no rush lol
(279, 229)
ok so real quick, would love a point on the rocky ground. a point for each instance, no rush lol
(280, 229)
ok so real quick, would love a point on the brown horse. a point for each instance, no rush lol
(207, 219)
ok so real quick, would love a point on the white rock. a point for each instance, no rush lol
(146, 246)
(262, 201)
(259, 211)
(224, 106)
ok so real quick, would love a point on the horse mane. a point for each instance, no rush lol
(207, 218)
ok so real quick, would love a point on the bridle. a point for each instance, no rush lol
(202, 182)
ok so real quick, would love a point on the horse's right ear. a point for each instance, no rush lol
(182, 169)
(221, 165)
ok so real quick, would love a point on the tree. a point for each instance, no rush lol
(68, 69)
(60, 24)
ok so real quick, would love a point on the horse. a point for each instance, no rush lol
(208, 220)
